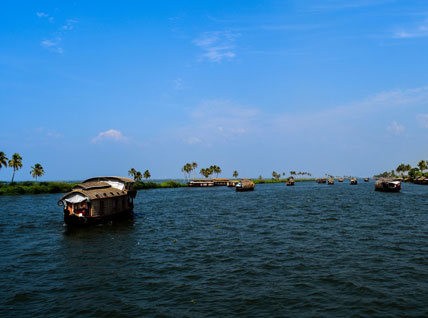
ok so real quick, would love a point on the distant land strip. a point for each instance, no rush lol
(30, 187)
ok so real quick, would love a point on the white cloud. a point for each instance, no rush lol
(417, 31)
(217, 46)
(110, 135)
(69, 25)
(53, 45)
(395, 128)
(42, 15)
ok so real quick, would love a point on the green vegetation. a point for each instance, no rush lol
(37, 171)
(15, 163)
(147, 174)
(139, 185)
(261, 181)
(30, 187)
(207, 172)
(235, 174)
(402, 169)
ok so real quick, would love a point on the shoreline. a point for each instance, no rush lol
(48, 187)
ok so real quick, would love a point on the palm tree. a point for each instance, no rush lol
(422, 165)
(147, 174)
(3, 160)
(37, 171)
(15, 163)
(194, 166)
(187, 169)
(132, 172)
(235, 174)
(400, 169)
(138, 176)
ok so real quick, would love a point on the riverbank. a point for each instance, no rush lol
(30, 187)
(261, 181)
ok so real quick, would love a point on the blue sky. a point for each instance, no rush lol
(95, 88)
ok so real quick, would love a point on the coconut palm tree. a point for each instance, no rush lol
(15, 163)
(147, 174)
(138, 176)
(132, 172)
(194, 166)
(205, 172)
(3, 160)
(37, 171)
(422, 165)
(235, 174)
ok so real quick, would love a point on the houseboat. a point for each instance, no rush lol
(366, 179)
(321, 180)
(99, 200)
(290, 181)
(330, 181)
(245, 185)
(387, 185)
(220, 181)
(340, 179)
(201, 183)
(353, 181)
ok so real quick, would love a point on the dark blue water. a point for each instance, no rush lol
(305, 251)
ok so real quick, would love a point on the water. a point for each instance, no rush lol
(308, 250)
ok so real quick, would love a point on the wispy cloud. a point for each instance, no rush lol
(416, 31)
(110, 135)
(218, 120)
(69, 25)
(54, 42)
(217, 46)
(395, 128)
(42, 15)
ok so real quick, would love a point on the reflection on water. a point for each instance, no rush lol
(308, 250)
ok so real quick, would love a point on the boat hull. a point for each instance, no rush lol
(81, 221)
(239, 189)
(388, 190)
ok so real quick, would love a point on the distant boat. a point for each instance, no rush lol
(354, 181)
(201, 183)
(99, 200)
(330, 181)
(245, 185)
(321, 180)
(340, 179)
(232, 183)
(387, 185)
(366, 179)
(290, 181)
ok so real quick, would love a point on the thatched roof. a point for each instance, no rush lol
(95, 194)
(92, 185)
(247, 183)
(100, 179)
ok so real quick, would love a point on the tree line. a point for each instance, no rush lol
(138, 176)
(277, 176)
(406, 170)
(15, 163)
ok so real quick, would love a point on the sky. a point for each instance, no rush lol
(91, 88)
